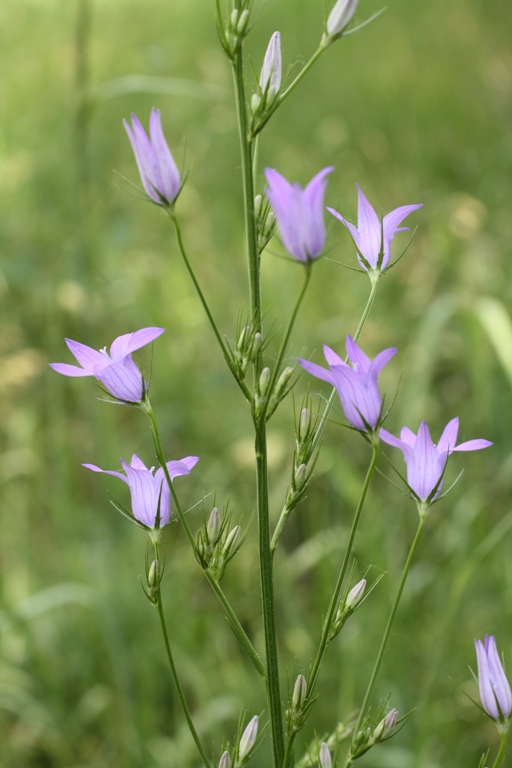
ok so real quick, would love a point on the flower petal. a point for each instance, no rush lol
(313, 213)
(316, 370)
(69, 370)
(144, 494)
(369, 228)
(390, 225)
(129, 342)
(122, 379)
(144, 156)
(487, 696)
(332, 358)
(182, 467)
(448, 439)
(86, 356)
(357, 357)
(106, 472)
(473, 445)
(167, 176)
(499, 680)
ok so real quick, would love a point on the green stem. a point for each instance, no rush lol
(237, 628)
(339, 584)
(501, 753)
(174, 672)
(387, 631)
(206, 308)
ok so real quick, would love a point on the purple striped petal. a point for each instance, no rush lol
(130, 342)
(143, 156)
(332, 358)
(498, 678)
(357, 357)
(106, 472)
(313, 213)
(487, 696)
(369, 228)
(357, 399)
(390, 225)
(316, 370)
(144, 494)
(408, 436)
(167, 177)
(448, 439)
(182, 467)
(86, 356)
(473, 445)
(122, 379)
(69, 370)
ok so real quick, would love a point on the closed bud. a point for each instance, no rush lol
(355, 595)
(257, 205)
(248, 739)
(225, 761)
(340, 16)
(269, 223)
(255, 103)
(256, 345)
(232, 540)
(264, 380)
(304, 423)
(283, 380)
(300, 476)
(385, 725)
(271, 72)
(325, 756)
(213, 526)
(234, 18)
(271, 95)
(242, 22)
(154, 574)
(299, 693)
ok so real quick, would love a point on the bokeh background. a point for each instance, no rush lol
(415, 108)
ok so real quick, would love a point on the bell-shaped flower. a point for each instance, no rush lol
(158, 171)
(116, 371)
(299, 213)
(372, 237)
(357, 384)
(272, 69)
(426, 461)
(151, 499)
(494, 687)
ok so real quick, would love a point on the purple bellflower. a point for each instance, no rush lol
(299, 213)
(116, 371)
(357, 384)
(372, 237)
(158, 171)
(494, 687)
(426, 461)
(149, 489)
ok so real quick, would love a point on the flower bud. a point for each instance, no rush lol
(153, 575)
(234, 18)
(264, 380)
(225, 761)
(340, 16)
(355, 595)
(248, 739)
(269, 223)
(325, 756)
(255, 103)
(271, 72)
(385, 725)
(241, 339)
(232, 540)
(283, 380)
(213, 526)
(303, 423)
(242, 22)
(256, 345)
(271, 96)
(300, 476)
(299, 693)
(257, 205)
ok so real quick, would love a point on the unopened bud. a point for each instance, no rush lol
(257, 205)
(340, 16)
(271, 95)
(299, 693)
(225, 761)
(283, 380)
(234, 18)
(325, 756)
(355, 595)
(248, 739)
(256, 345)
(232, 540)
(241, 339)
(304, 423)
(271, 71)
(269, 223)
(255, 103)
(264, 380)
(385, 725)
(213, 526)
(153, 575)
(300, 476)
(242, 22)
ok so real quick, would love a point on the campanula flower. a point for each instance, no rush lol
(426, 461)
(357, 384)
(372, 237)
(299, 213)
(149, 489)
(271, 71)
(116, 371)
(494, 687)
(340, 16)
(158, 171)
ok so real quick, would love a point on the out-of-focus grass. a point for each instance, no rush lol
(415, 108)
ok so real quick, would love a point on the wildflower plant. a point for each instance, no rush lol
(260, 365)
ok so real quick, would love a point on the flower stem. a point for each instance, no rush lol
(237, 628)
(174, 672)
(501, 753)
(387, 632)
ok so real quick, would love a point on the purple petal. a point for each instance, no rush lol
(106, 472)
(271, 71)
(353, 231)
(129, 342)
(390, 439)
(122, 379)
(390, 227)
(144, 156)
(166, 172)
(448, 439)
(144, 493)
(487, 696)
(498, 678)
(332, 358)
(286, 202)
(408, 436)
(425, 472)
(316, 370)
(313, 213)
(381, 360)
(69, 370)
(137, 463)
(357, 357)
(182, 467)
(369, 228)
(357, 399)
(473, 445)
(86, 356)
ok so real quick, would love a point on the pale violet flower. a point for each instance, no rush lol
(494, 687)
(158, 171)
(116, 371)
(271, 71)
(357, 384)
(340, 16)
(426, 461)
(372, 237)
(149, 489)
(299, 213)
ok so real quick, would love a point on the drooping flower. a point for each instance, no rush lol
(158, 171)
(426, 461)
(340, 16)
(372, 237)
(271, 71)
(149, 489)
(299, 213)
(494, 687)
(357, 384)
(116, 371)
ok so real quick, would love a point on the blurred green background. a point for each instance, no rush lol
(415, 108)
